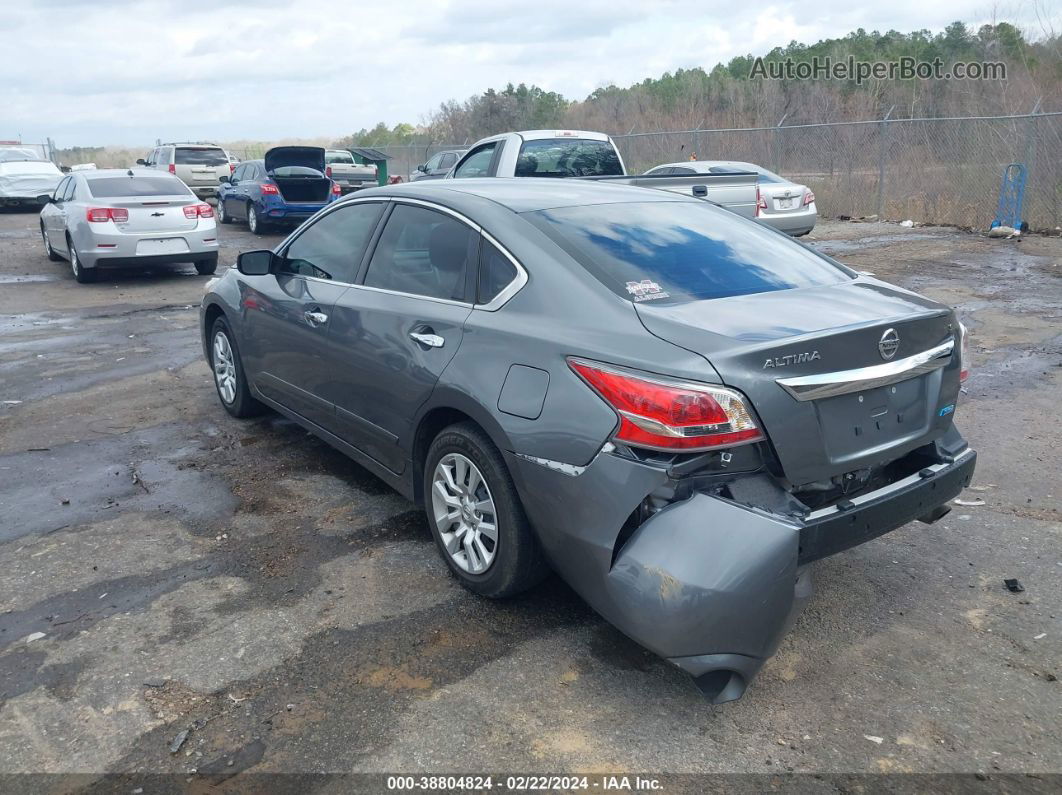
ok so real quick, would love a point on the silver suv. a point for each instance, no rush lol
(200, 166)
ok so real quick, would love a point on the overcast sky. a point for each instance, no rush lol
(91, 72)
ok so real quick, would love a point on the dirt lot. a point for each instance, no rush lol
(242, 581)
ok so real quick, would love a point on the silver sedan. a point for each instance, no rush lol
(787, 206)
(127, 217)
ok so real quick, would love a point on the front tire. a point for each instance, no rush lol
(229, 379)
(254, 223)
(52, 256)
(82, 274)
(476, 516)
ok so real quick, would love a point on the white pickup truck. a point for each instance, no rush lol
(593, 155)
(348, 175)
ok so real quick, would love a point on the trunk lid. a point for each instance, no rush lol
(755, 341)
(306, 156)
(161, 214)
(782, 199)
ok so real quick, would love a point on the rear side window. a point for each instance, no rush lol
(423, 252)
(496, 271)
(190, 156)
(477, 164)
(568, 157)
(674, 252)
(333, 246)
(111, 187)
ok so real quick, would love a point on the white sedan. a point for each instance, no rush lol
(24, 176)
(127, 217)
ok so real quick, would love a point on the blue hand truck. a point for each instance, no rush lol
(1011, 195)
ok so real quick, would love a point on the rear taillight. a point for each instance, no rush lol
(809, 197)
(270, 188)
(336, 189)
(198, 211)
(173, 168)
(964, 353)
(376, 171)
(232, 168)
(660, 414)
(99, 215)
(761, 201)
(328, 172)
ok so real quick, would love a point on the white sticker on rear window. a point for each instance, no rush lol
(646, 290)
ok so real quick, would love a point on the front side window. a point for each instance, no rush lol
(239, 173)
(433, 164)
(568, 157)
(423, 252)
(333, 247)
(477, 164)
(60, 189)
(672, 252)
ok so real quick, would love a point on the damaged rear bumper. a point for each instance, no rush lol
(707, 583)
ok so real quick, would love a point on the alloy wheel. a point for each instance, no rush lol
(252, 218)
(224, 368)
(464, 513)
(75, 263)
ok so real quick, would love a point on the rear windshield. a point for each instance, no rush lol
(113, 187)
(339, 157)
(201, 157)
(568, 157)
(14, 155)
(296, 171)
(764, 174)
(674, 252)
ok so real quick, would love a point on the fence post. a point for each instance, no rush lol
(776, 141)
(882, 153)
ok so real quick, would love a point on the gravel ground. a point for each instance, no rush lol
(244, 582)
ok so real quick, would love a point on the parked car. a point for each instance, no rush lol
(285, 188)
(676, 408)
(114, 217)
(438, 165)
(199, 166)
(593, 155)
(787, 206)
(24, 176)
(341, 169)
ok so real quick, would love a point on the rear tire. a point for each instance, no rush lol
(516, 562)
(223, 217)
(48, 247)
(206, 267)
(254, 223)
(229, 378)
(82, 274)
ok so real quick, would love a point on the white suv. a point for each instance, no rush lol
(200, 166)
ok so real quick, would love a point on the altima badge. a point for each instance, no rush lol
(889, 344)
(792, 358)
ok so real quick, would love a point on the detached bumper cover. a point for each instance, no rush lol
(710, 585)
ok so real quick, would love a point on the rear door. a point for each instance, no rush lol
(292, 357)
(396, 332)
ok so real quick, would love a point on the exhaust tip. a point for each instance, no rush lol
(721, 686)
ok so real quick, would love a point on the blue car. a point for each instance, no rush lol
(284, 188)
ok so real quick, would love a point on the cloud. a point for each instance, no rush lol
(129, 72)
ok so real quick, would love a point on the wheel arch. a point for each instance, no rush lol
(211, 313)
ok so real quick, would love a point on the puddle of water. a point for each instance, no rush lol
(36, 277)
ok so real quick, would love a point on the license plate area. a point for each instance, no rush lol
(875, 419)
(785, 204)
(165, 245)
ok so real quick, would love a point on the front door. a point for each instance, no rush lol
(396, 332)
(290, 355)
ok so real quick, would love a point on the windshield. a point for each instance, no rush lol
(674, 252)
(201, 157)
(339, 157)
(14, 155)
(568, 157)
(112, 187)
(296, 171)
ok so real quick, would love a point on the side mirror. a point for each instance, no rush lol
(256, 263)
(44, 198)
(422, 167)
(141, 161)
(225, 179)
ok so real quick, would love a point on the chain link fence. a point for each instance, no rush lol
(940, 171)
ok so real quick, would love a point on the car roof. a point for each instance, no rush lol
(525, 194)
(95, 173)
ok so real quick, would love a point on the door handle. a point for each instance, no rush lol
(315, 317)
(431, 340)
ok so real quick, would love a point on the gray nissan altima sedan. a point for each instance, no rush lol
(674, 408)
